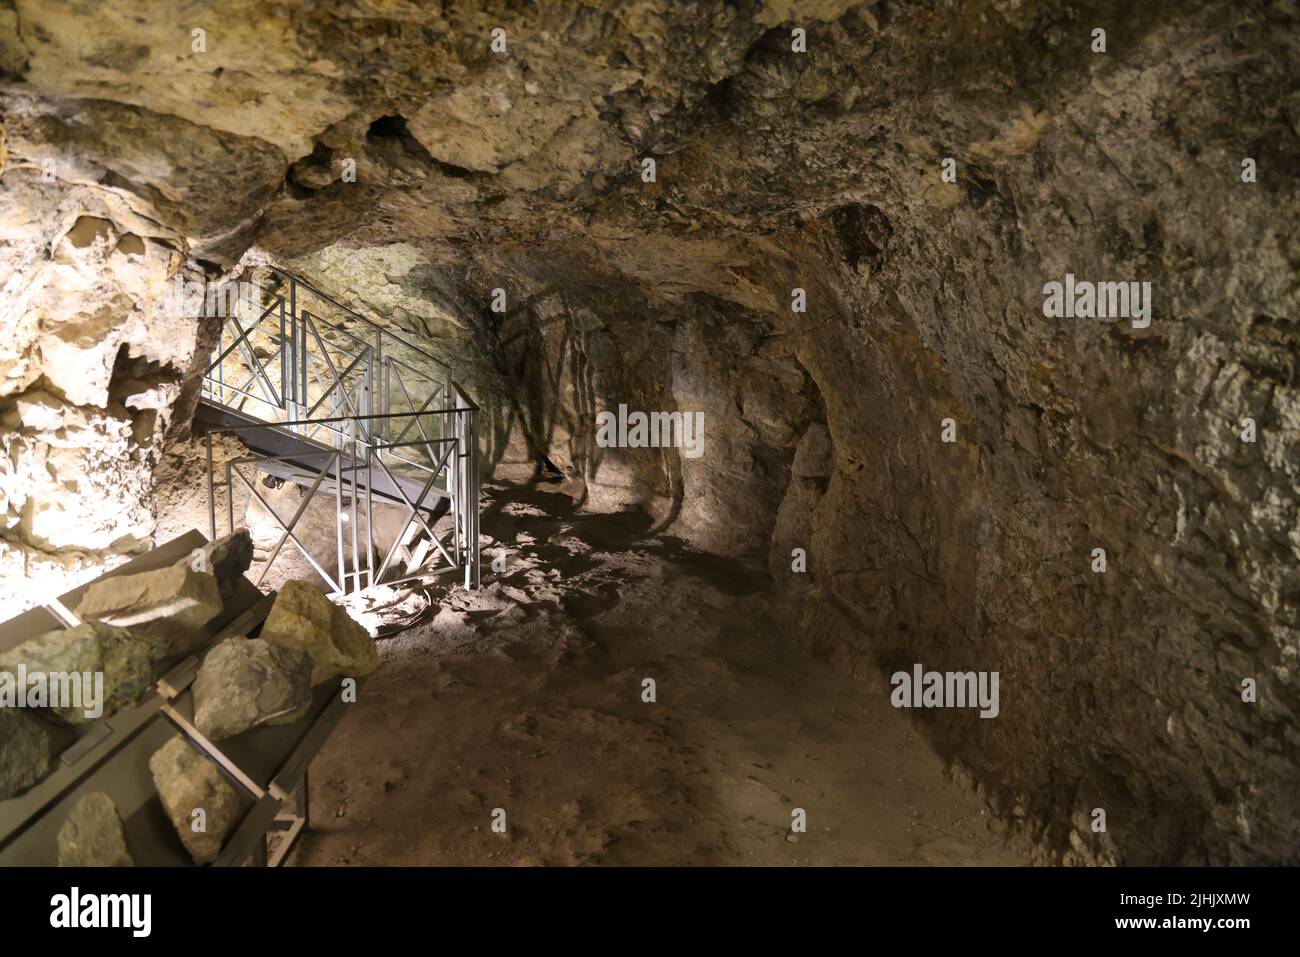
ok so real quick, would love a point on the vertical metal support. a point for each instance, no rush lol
(356, 555)
(370, 513)
(380, 395)
(291, 395)
(230, 499)
(284, 359)
(338, 519)
(212, 494)
(303, 364)
(472, 497)
(453, 486)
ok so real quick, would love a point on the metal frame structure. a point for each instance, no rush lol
(108, 754)
(388, 431)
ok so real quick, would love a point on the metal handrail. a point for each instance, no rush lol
(373, 374)
(294, 278)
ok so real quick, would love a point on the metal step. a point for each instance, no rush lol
(303, 458)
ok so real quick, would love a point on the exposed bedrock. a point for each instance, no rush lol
(823, 430)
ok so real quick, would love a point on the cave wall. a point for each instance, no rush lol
(822, 171)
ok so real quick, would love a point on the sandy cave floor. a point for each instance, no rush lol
(527, 696)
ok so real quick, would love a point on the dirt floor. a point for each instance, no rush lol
(527, 696)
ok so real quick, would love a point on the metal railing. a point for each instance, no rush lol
(294, 360)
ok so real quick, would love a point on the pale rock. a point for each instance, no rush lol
(92, 835)
(187, 781)
(171, 604)
(227, 558)
(302, 617)
(244, 683)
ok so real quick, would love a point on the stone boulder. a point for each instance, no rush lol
(170, 604)
(125, 658)
(92, 835)
(227, 558)
(244, 683)
(24, 752)
(187, 782)
(303, 618)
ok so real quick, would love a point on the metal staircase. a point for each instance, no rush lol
(333, 402)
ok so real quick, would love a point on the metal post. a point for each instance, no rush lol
(338, 519)
(453, 486)
(356, 556)
(284, 363)
(212, 500)
(293, 351)
(370, 512)
(473, 494)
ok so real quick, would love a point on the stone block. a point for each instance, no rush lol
(170, 604)
(71, 659)
(92, 835)
(24, 752)
(188, 782)
(244, 683)
(303, 618)
(227, 558)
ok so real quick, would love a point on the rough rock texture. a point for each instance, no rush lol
(124, 657)
(243, 683)
(170, 604)
(776, 170)
(303, 619)
(227, 558)
(187, 781)
(92, 835)
(24, 752)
